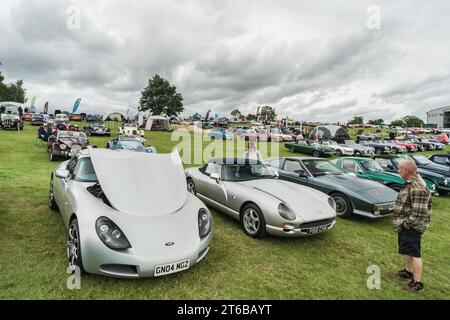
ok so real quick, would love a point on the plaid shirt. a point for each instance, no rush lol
(413, 206)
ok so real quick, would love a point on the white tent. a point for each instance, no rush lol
(158, 123)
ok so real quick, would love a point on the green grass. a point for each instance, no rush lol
(328, 266)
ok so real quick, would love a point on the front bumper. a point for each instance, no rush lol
(101, 260)
(303, 230)
(385, 209)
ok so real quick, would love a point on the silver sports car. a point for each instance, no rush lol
(251, 193)
(129, 214)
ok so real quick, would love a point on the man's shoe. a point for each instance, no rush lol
(404, 274)
(415, 287)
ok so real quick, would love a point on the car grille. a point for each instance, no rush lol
(318, 223)
(7, 123)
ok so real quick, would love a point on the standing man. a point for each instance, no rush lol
(412, 212)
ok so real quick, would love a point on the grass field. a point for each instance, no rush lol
(329, 266)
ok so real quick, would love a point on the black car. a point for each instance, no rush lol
(97, 129)
(442, 159)
(37, 120)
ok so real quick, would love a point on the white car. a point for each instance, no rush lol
(340, 149)
(128, 214)
(62, 118)
(131, 130)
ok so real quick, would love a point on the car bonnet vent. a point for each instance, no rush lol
(96, 191)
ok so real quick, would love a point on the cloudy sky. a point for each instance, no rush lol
(312, 60)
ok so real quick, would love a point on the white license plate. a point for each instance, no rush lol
(171, 268)
(317, 229)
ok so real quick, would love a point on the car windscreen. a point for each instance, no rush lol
(71, 134)
(371, 165)
(85, 171)
(422, 160)
(321, 167)
(247, 171)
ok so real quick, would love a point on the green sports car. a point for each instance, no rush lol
(370, 169)
(310, 147)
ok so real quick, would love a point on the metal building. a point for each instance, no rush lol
(439, 117)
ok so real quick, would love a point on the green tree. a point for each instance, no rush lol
(376, 122)
(236, 113)
(12, 92)
(161, 97)
(267, 113)
(250, 117)
(356, 120)
(398, 123)
(413, 121)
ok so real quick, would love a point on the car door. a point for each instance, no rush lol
(209, 187)
(291, 170)
(64, 195)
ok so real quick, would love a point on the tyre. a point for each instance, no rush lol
(291, 150)
(213, 138)
(52, 156)
(316, 154)
(253, 222)
(338, 153)
(378, 151)
(51, 196)
(74, 257)
(357, 153)
(344, 208)
(395, 186)
(191, 186)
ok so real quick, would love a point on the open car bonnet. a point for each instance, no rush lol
(141, 183)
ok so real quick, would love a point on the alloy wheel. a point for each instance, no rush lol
(251, 221)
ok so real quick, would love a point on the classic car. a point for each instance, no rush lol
(27, 116)
(220, 134)
(97, 129)
(251, 193)
(379, 148)
(339, 149)
(62, 117)
(371, 170)
(65, 144)
(296, 134)
(263, 134)
(310, 147)
(121, 223)
(442, 159)
(37, 119)
(10, 119)
(390, 164)
(75, 117)
(131, 129)
(437, 144)
(423, 144)
(129, 143)
(411, 147)
(360, 150)
(394, 147)
(353, 196)
(247, 134)
(274, 134)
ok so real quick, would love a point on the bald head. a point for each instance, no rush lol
(407, 169)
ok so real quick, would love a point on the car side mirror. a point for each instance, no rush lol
(215, 176)
(62, 173)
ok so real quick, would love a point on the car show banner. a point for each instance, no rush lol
(76, 105)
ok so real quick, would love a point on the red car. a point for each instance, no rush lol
(410, 146)
(64, 144)
(75, 117)
(27, 116)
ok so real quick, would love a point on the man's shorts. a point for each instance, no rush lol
(409, 242)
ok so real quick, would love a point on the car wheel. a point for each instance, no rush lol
(253, 222)
(378, 151)
(213, 138)
(52, 156)
(357, 153)
(191, 186)
(344, 207)
(395, 187)
(316, 154)
(339, 153)
(74, 247)
(51, 196)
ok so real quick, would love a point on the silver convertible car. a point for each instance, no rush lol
(128, 214)
(251, 193)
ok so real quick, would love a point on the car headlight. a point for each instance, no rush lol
(332, 203)
(204, 223)
(62, 146)
(111, 235)
(286, 212)
(445, 181)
